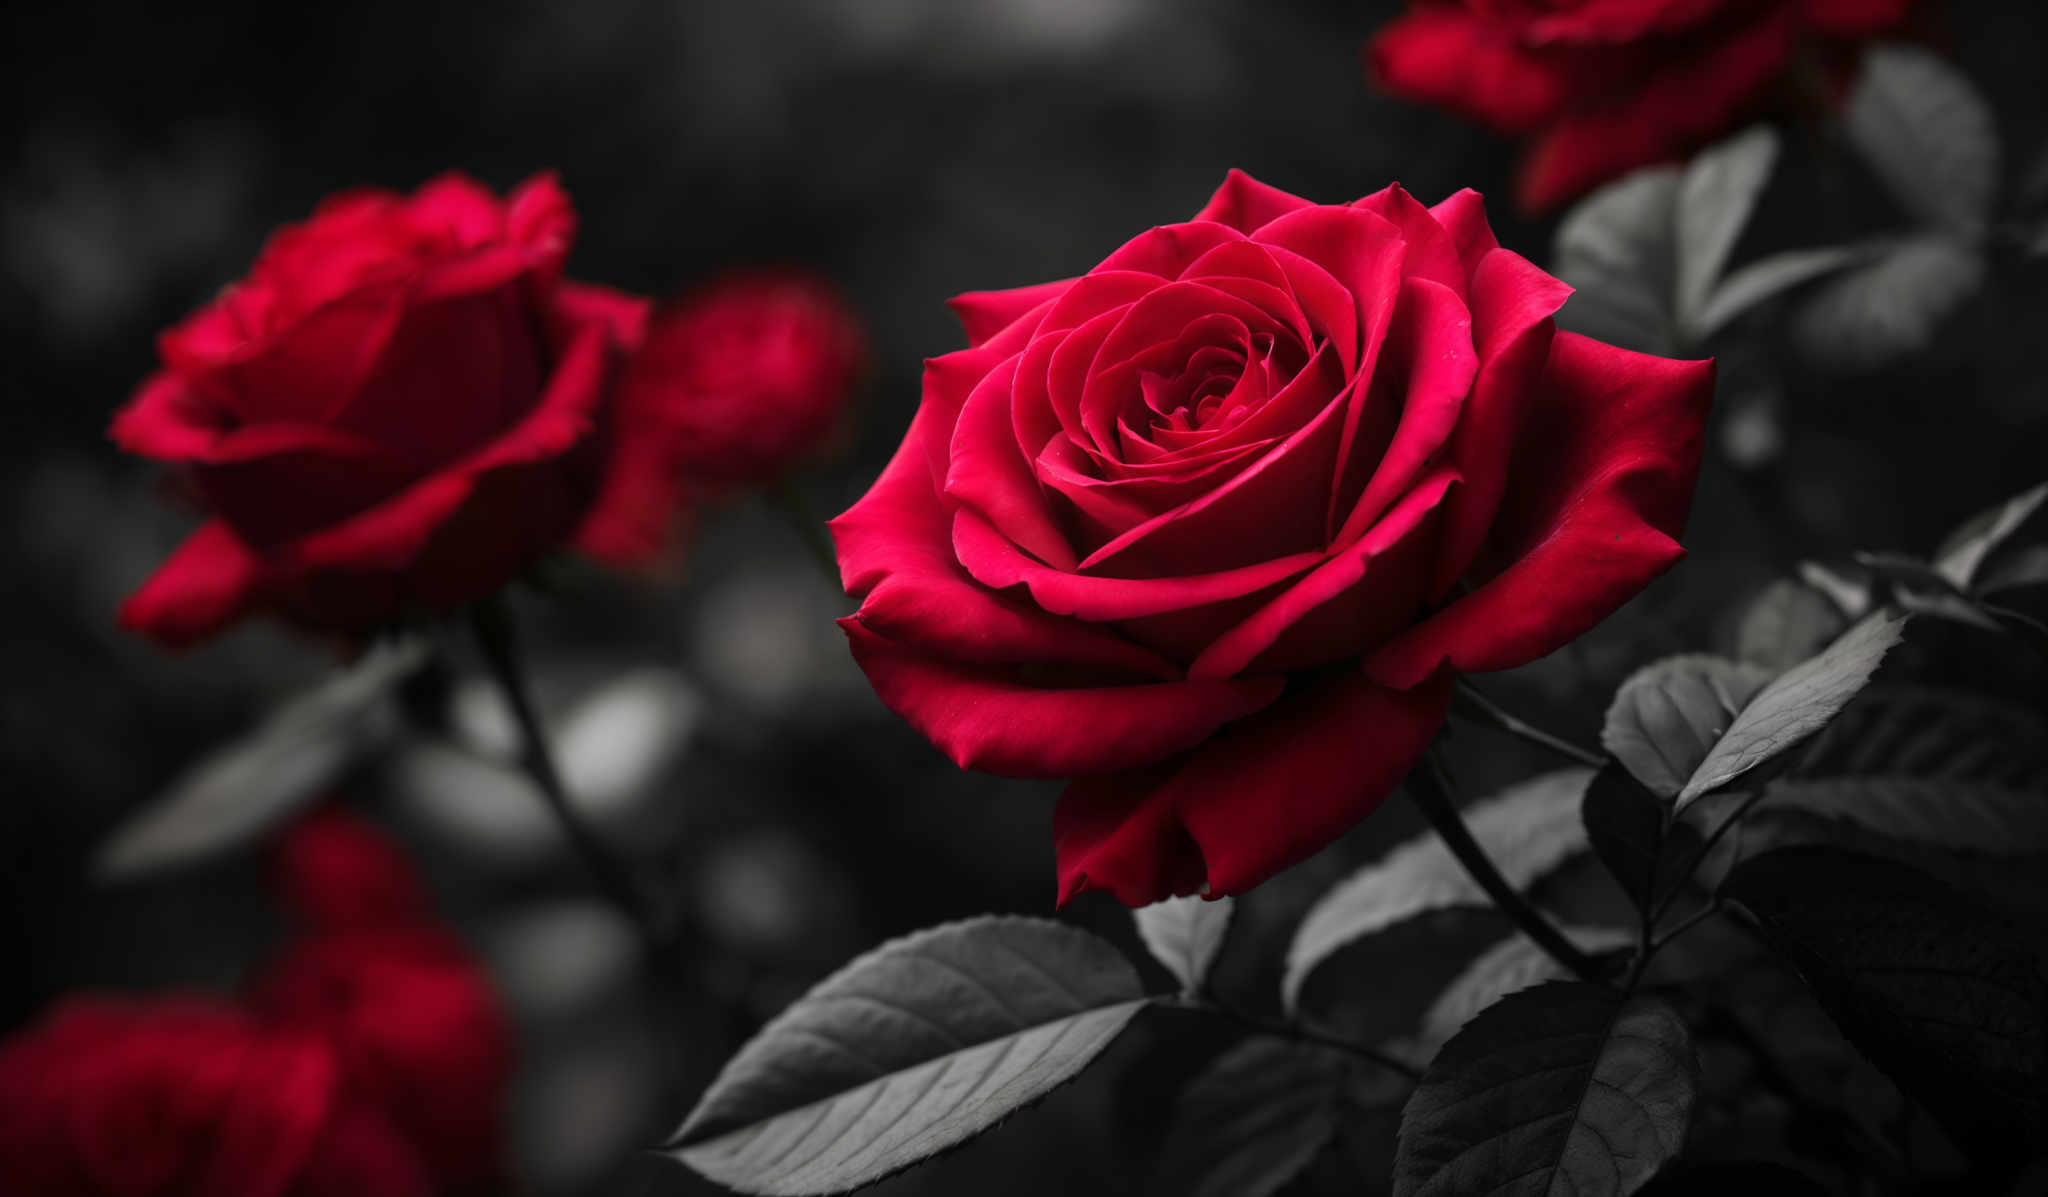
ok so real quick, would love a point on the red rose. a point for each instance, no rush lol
(1606, 86)
(736, 384)
(412, 1019)
(401, 407)
(186, 1098)
(1209, 528)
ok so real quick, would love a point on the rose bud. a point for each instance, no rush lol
(187, 1097)
(337, 872)
(1209, 529)
(401, 407)
(1602, 87)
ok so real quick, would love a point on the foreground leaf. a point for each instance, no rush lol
(1251, 1120)
(1567, 1088)
(922, 1043)
(1668, 716)
(242, 790)
(1926, 731)
(1528, 830)
(1185, 934)
(1958, 815)
(1643, 849)
(1947, 999)
(1510, 966)
(1798, 704)
(1927, 133)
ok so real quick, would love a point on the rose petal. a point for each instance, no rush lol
(208, 583)
(983, 314)
(1448, 57)
(167, 421)
(991, 721)
(1431, 251)
(1168, 249)
(1245, 204)
(1855, 18)
(1429, 345)
(1600, 483)
(1262, 794)
(1463, 216)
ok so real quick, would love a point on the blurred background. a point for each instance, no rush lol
(907, 150)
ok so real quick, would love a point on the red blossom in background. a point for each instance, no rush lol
(1210, 528)
(370, 1057)
(401, 407)
(1601, 87)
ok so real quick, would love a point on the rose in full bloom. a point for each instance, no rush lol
(188, 1097)
(1602, 87)
(402, 406)
(412, 1020)
(739, 381)
(1208, 529)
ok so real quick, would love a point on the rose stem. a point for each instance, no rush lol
(492, 622)
(1470, 702)
(796, 508)
(1426, 786)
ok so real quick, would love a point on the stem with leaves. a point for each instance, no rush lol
(491, 620)
(1432, 795)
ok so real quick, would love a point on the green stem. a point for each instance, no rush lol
(491, 620)
(1432, 795)
(1470, 702)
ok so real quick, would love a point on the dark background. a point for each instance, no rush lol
(909, 150)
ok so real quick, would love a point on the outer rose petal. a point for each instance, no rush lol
(1261, 795)
(990, 721)
(1463, 215)
(1855, 18)
(1245, 204)
(1599, 487)
(983, 314)
(1445, 56)
(207, 584)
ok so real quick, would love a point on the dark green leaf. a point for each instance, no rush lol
(1715, 197)
(1251, 1121)
(1789, 622)
(1667, 716)
(1946, 998)
(1870, 316)
(1627, 827)
(922, 1043)
(1960, 815)
(1798, 704)
(1922, 731)
(1927, 133)
(1510, 966)
(240, 791)
(1567, 1088)
(1720, 1180)
(1185, 934)
(1527, 829)
(1617, 248)
(1963, 552)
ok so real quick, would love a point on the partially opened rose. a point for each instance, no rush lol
(1602, 87)
(402, 406)
(1209, 529)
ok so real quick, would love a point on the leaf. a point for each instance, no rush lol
(2025, 568)
(1567, 1088)
(1766, 278)
(1963, 552)
(1628, 829)
(1715, 197)
(1798, 704)
(1923, 128)
(1527, 829)
(1668, 716)
(1889, 308)
(1789, 622)
(1185, 934)
(922, 1043)
(1849, 590)
(1945, 998)
(1510, 966)
(1617, 249)
(236, 793)
(1965, 816)
(1924, 731)
(1251, 1121)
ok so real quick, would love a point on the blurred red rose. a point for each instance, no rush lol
(187, 1097)
(1605, 86)
(1209, 528)
(401, 407)
(413, 1021)
(738, 382)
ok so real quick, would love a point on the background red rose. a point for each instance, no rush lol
(1605, 86)
(401, 406)
(1209, 528)
(187, 1097)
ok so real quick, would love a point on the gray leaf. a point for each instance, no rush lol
(1961, 815)
(1766, 278)
(1715, 197)
(1668, 715)
(1927, 133)
(1789, 622)
(1617, 248)
(1510, 966)
(1251, 1121)
(1890, 308)
(1185, 934)
(1963, 552)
